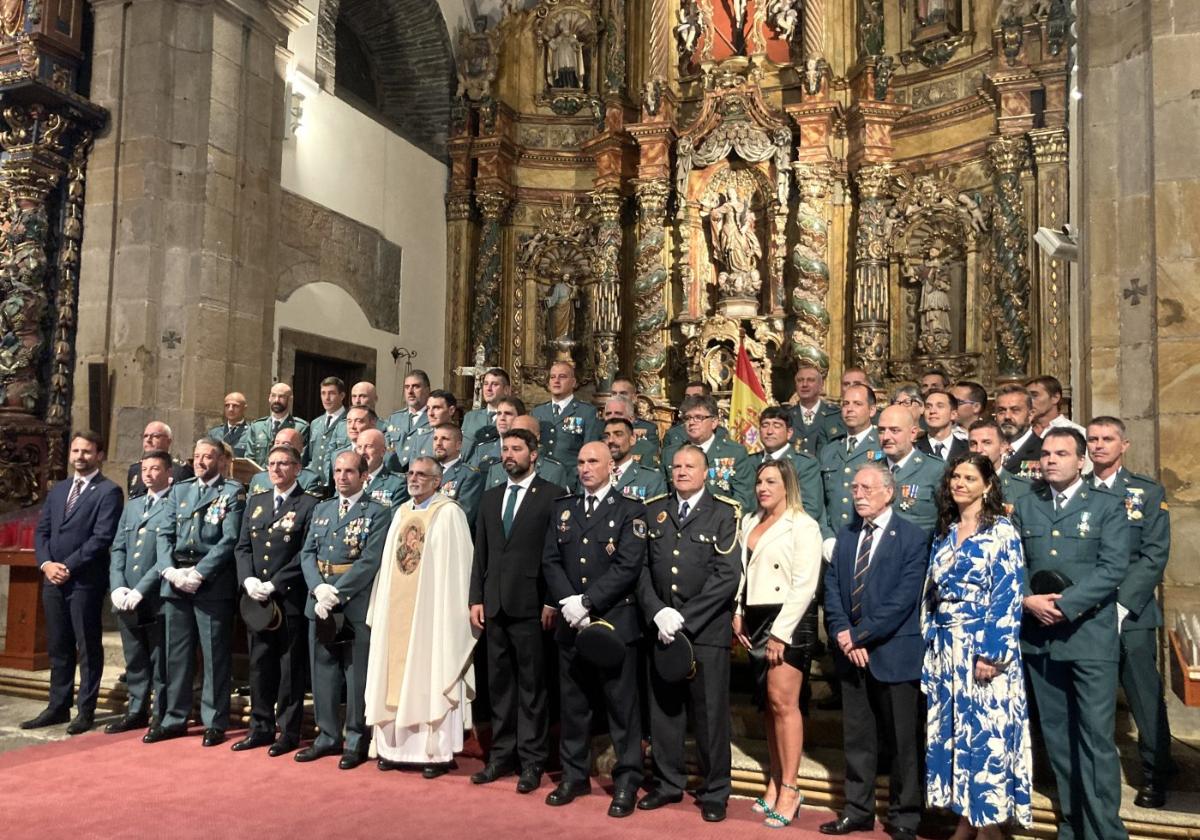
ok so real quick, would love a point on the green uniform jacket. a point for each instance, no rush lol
(640, 482)
(405, 437)
(1088, 542)
(486, 451)
(387, 488)
(916, 490)
(563, 437)
(261, 438)
(323, 440)
(837, 471)
(1013, 487)
(730, 471)
(200, 527)
(812, 493)
(827, 425)
(464, 484)
(356, 540)
(1149, 521)
(134, 553)
(676, 436)
(473, 421)
(237, 437)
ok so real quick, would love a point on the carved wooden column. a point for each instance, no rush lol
(486, 310)
(876, 183)
(1009, 157)
(459, 254)
(810, 258)
(650, 289)
(813, 41)
(1054, 344)
(606, 293)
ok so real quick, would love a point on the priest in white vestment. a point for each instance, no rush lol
(419, 678)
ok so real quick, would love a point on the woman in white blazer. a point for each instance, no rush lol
(781, 564)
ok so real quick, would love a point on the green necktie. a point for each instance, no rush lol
(510, 507)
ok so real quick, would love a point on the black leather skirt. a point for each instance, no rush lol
(757, 622)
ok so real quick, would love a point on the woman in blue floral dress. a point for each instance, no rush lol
(977, 729)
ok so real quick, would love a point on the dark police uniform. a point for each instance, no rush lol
(261, 435)
(268, 548)
(1073, 664)
(693, 567)
(916, 488)
(808, 474)
(464, 484)
(600, 557)
(827, 425)
(132, 565)
(306, 478)
(730, 470)
(180, 472)
(237, 436)
(199, 528)
(345, 552)
(324, 438)
(838, 467)
(565, 433)
(406, 433)
(1149, 522)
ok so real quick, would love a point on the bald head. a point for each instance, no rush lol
(595, 466)
(290, 437)
(363, 394)
(372, 445)
(529, 423)
(280, 399)
(156, 436)
(897, 432)
(235, 407)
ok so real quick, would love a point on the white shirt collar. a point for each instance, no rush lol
(449, 464)
(524, 482)
(416, 415)
(563, 403)
(332, 416)
(946, 439)
(780, 453)
(353, 500)
(860, 437)
(1069, 492)
(707, 444)
(692, 500)
(1106, 482)
(1019, 442)
(283, 494)
(881, 521)
(87, 479)
(599, 494)
(903, 461)
(371, 476)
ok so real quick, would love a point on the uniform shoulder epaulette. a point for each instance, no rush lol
(734, 502)
(469, 467)
(565, 497)
(1144, 478)
(315, 493)
(191, 480)
(657, 498)
(270, 489)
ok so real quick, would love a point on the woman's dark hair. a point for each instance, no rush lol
(993, 498)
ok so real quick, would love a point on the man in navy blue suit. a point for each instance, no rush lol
(74, 532)
(872, 595)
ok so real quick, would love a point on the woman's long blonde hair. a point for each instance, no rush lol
(791, 485)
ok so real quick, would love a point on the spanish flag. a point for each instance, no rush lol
(747, 402)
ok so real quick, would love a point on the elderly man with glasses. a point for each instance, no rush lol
(156, 438)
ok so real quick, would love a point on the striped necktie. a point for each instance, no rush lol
(860, 571)
(73, 497)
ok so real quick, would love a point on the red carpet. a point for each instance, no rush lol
(114, 786)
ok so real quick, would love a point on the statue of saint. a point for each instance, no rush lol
(738, 7)
(565, 57)
(687, 31)
(560, 303)
(478, 61)
(933, 274)
(737, 247)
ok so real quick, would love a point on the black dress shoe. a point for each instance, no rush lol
(713, 811)
(845, 825)
(657, 799)
(432, 771)
(388, 764)
(212, 737)
(531, 779)
(351, 759)
(253, 741)
(127, 723)
(566, 792)
(281, 747)
(314, 752)
(47, 717)
(82, 723)
(490, 773)
(163, 733)
(1151, 796)
(622, 803)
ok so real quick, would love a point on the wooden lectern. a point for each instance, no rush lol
(25, 643)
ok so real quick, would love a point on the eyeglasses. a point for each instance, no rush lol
(906, 401)
(697, 418)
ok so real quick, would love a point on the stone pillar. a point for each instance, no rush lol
(650, 289)
(177, 282)
(876, 183)
(606, 291)
(1009, 157)
(810, 258)
(1050, 156)
(486, 310)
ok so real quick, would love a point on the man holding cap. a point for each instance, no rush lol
(595, 551)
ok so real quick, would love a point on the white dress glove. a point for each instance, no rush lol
(118, 597)
(132, 599)
(573, 610)
(1122, 614)
(321, 610)
(191, 581)
(326, 595)
(251, 585)
(173, 576)
(669, 622)
(267, 589)
(827, 549)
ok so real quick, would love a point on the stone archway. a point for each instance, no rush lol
(407, 44)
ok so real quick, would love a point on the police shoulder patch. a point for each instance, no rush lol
(639, 529)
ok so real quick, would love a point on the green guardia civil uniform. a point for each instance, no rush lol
(1149, 522)
(325, 436)
(676, 437)
(474, 421)
(1073, 664)
(826, 425)
(730, 470)
(1013, 487)
(839, 462)
(261, 435)
(405, 433)
(486, 450)
(464, 484)
(640, 482)
(917, 482)
(199, 529)
(387, 488)
(237, 436)
(808, 475)
(565, 432)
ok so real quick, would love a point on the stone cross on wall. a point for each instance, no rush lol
(476, 371)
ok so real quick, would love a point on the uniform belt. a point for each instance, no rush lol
(334, 568)
(185, 561)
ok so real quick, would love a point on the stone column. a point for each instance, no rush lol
(177, 281)
(870, 330)
(606, 291)
(650, 289)
(1009, 156)
(810, 258)
(1050, 156)
(486, 310)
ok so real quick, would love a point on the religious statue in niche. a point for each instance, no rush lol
(564, 56)
(566, 33)
(478, 60)
(932, 276)
(23, 302)
(784, 17)
(687, 31)
(561, 302)
(736, 248)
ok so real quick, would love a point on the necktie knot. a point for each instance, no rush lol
(343, 507)
(1060, 501)
(556, 410)
(510, 508)
(591, 505)
(849, 446)
(895, 469)
(683, 510)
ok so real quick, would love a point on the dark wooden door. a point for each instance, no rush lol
(306, 381)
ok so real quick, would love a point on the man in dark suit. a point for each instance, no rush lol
(268, 568)
(1138, 613)
(942, 436)
(595, 552)
(133, 579)
(74, 531)
(688, 586)
(1071, 638)
(872, 596)
(156, 437)
(508, 603)
(1014, 413)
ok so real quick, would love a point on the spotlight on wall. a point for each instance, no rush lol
(300, 90)
(1058, 244)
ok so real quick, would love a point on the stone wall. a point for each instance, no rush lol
(1140, 192)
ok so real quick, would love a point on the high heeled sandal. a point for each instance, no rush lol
(780, 821)
(759, 806)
